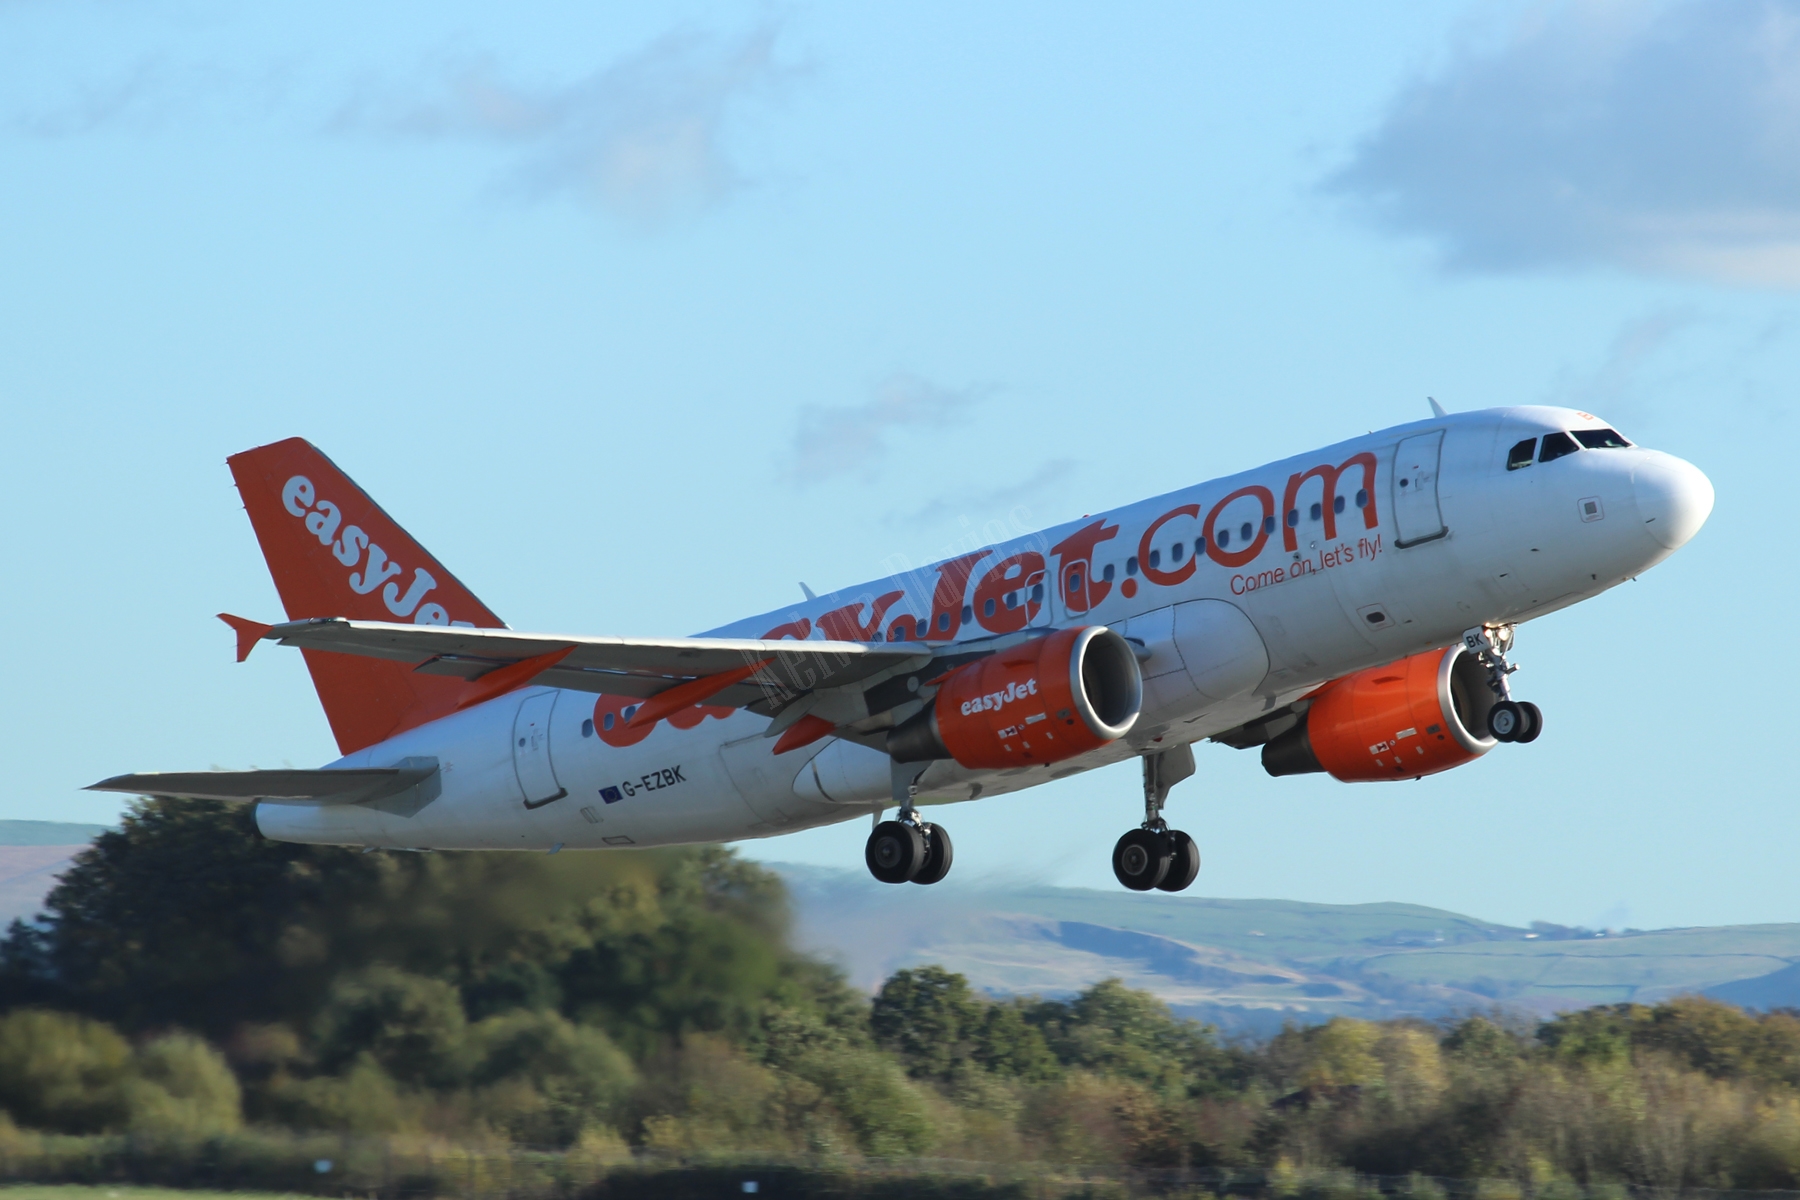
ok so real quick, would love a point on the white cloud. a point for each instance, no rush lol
(1010, 499)
(1634, 364)
(836, 441)
(1660, 137)
(642, 138)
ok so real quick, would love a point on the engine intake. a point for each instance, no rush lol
(1044, 701)
(1410, 718)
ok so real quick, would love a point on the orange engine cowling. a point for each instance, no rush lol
(1414, 717)
(1043, 701)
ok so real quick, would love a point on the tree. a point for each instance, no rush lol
(929, 1017)
(186, 917)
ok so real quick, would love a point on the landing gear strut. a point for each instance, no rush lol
(1509, 720)
(908, 850)
(1153, 855)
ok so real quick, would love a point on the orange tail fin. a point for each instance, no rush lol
(334, 553)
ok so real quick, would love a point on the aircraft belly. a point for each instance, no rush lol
(1305, 628)
(1199, 654)
(766, 781)
(667, 789)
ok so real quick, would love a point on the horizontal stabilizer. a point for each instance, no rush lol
(351, 785)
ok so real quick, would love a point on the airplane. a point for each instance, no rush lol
(1350, 611)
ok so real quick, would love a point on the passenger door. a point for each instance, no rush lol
(531, 750)
(1417, 517)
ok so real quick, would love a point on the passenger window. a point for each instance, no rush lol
(1337, 504)
(1521, 454)
(1247, 531)
(1074, 581)
(943, 622)
(1293, 517)
(987, 607)
(587, 728)
(1269, 524)
(1601, 439)
(1199, 547)
(1131, 565)
(1037, 593)
(1317, 511)
(1176, 551)
(1108, 573)
(1155, 559)
(1012, 599)
(1556, 445)
(606, 722)
(1362, 497)
(968, 613)
(923, 629)
(1224, 536)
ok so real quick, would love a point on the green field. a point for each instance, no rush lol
(70, 1191)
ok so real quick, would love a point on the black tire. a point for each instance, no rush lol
(1534, 722)
(1141, 859)
(939, 854)
(1506, 721)
(895, 852)
(1184, 863)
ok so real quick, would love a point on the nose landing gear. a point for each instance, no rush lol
(908, 850)
(1509, 720)
(1153, 855)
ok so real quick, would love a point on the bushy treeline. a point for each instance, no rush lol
(189, 978)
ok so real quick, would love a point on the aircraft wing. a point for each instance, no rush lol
(736, 672)
(351, 785)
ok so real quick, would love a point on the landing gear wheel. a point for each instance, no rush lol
(1141, 859)
(895, 852)
(938, 855)
(1184, 862)
(1507, 721)
(1534, 722)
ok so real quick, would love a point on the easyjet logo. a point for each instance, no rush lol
(995, 701)
(371, 567)
(1333, 503)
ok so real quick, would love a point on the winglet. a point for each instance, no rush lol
(1437, 410)
(248, 633)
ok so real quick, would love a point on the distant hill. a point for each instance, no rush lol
(48, 833)
(1252, 964)
(1243, 964)
(32, 855)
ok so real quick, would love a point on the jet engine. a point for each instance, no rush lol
(1410, 718)
(1042, 701)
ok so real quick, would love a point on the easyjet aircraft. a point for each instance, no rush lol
(1348, 611)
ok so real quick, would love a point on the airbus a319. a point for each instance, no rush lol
(1350, 611)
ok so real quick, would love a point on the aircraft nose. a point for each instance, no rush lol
(1673, 497)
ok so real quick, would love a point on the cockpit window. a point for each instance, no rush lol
(1601, 439)
(1521, 454)
(1556, 445)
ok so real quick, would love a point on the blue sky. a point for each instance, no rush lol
(638, 315)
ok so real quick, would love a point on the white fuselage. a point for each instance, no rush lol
(1458, 540)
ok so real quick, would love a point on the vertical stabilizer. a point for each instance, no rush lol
(334, 553)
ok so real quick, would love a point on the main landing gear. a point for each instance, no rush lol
(1509, 720)
(908, 850)
(1153, 855)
